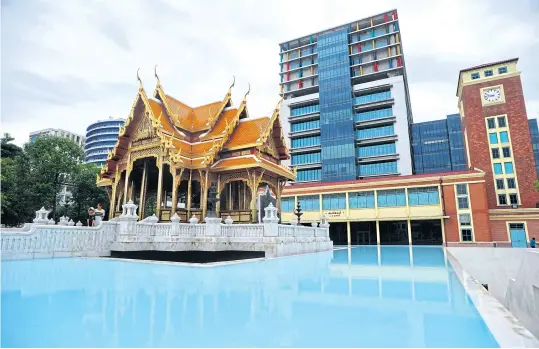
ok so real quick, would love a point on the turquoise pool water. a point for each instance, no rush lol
(363, 297)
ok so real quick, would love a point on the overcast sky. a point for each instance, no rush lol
(68, 63)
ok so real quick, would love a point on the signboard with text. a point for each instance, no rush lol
(334, 214)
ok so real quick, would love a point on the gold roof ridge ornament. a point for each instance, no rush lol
(247, 93)
(139, 81)
(156, 76)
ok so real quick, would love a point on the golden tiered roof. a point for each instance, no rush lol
(214, 136)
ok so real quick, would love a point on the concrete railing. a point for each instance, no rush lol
(45, 239)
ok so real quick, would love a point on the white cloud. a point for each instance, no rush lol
(69, 63)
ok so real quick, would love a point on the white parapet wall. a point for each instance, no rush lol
(42, 240)
(512, 276)
(53, 241)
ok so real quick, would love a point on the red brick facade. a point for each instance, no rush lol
(521, 146)
(479, 205)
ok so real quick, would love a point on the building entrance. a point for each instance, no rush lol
(337, 233)
(363, 233)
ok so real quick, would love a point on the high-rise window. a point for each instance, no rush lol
(377, 168)
(501, 121)
(511, 184)
(308, 175)
(488, 72)
(491, 122)
(500, 184)
(506, 152)
(495, 153)
(502, 199)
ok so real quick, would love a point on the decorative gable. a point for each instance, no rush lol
(144, 129)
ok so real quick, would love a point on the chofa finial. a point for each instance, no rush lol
(138, 78)
(233, 81)
(248, 91)
(157, 77)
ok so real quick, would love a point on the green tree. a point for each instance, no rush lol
(9, 150)
(52, 161)
(15, 196)
(85, 193)
(537, 185)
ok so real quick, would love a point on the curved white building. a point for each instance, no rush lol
(100, 138)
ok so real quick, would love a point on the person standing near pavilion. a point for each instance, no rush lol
(99, 214)
(533, 244)
(90, 220)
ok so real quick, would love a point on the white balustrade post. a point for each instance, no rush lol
(128, 218)
(41, 216)
(175, 219)
(271, 221)
(193, 220)
(63, 220)
(213, 226)
(325, 224)
(151, 222)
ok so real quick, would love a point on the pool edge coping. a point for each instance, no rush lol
(506, 329)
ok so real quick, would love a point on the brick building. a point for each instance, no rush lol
(491, 203)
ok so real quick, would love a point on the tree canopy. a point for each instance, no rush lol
(35, 176)
(9, 149)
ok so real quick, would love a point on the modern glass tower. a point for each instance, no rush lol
(534, 133)
(347, 101)
(438, 146)
(101, 136)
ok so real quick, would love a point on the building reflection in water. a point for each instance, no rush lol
(362, 296)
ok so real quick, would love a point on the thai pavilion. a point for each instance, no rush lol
(172, 157)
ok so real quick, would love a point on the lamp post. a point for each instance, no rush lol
(298, 212)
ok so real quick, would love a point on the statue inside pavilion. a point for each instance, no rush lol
(207, 160)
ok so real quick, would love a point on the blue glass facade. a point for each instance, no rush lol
(327, 78)
(438, 146)
(534, 133)
(100, 138)
(336, 116)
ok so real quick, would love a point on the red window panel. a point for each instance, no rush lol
(300, 84)
(399, 62)
(394, 15)
(358, 48)
(288, 76)
(386, 18)
(375, 66)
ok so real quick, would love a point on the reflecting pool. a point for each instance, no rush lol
(368, 296)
